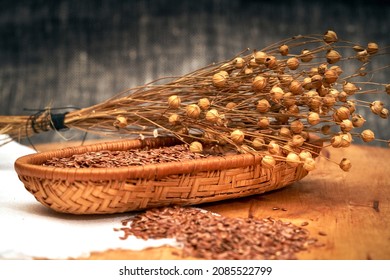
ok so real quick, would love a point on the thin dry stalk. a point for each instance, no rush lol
(266, 101)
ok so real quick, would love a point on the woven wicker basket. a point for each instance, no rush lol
(122, 189)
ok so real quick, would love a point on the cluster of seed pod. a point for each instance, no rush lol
(272, 100)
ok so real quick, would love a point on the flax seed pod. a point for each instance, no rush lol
(282, 118)
(231, 105)
(239, 62)
(347, 139)
(268, 161)
(227, 67)
(120, 122)
(328, 101)
(333, 92)
(293, 160)
(316, 81)
(174, 119)
(220, 79)
(296, 87)
(276, 94)
(212, 116)
(271, 62)
(351, 106)
(283, 50)
(303, 155)
(306, 83)
(312, 94)
(193, 111)
(248, 71)
(372, 48)
(362, 56)
(174, 102)
(284, 132)
(237, 136)
(342, 97)
(376, 107)
(306, 55)
(293, 109)
(350, 88)
(286, 149)
(367, 135)
(263, 122)
(296, 126)
(332, 56)
(315, 104)
(260, 57)
(292, 63)
(297, 141)
(336, 141)
(387, 88)
(273, 148)
(322, 68)
(322, 91)
(263, 106)
(345, 164)
(305, 135)
(204, 103)
(330, 76)
(337, 69)
(342, 113)
(309, 164)
(196, 147)
(358, 120)
(384, 114)
(259, 83)
(313, 71)
(330, 37)
(286, 79)
(258, 143)
(358, 48)
(313, 118)
(253, 63)
(289, 99)
(346, 125)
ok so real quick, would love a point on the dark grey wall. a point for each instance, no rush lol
(79, 53)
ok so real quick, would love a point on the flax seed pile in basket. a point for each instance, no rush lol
(134, 157)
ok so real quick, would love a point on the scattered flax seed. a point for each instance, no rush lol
(275, 208)
(304, 224)
(322, 233)
(284, 209)
(209, 236)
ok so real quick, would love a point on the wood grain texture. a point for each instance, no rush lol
(349, 212)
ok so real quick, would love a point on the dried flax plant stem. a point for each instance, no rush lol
(269, 102)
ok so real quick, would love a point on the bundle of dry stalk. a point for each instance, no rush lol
(266, 101)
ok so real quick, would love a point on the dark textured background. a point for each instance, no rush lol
(65, 52)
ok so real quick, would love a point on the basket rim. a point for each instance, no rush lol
(30, 165)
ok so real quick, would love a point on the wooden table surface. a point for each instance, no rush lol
(349, 212)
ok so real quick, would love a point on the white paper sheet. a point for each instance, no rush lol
(28, 229)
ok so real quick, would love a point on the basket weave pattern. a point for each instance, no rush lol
(122, 189)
